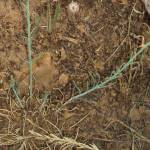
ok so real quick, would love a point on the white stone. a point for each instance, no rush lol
(147, 5)
(73, 7)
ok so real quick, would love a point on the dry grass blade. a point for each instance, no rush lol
(63, 142)
(137, 134)
(11, 139)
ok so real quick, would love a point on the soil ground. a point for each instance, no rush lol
(79, 51)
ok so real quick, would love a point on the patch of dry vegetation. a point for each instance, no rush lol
(68, 63)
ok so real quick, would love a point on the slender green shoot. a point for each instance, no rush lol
(51, 20)
(49, 17)
(36, 28)
(114, 75)
(57, 13)
(13, 87)
(29, 43)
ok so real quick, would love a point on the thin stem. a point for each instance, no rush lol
(115, 75)
(29, 43)
(18, 98)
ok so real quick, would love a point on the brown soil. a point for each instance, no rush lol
(102, 36)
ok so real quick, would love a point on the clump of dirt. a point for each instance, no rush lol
(45, 75)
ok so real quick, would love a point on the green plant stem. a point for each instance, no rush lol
(49, 17)
(115, 75)
(18, 98)
(29, 43)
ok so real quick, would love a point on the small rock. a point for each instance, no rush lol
(147, 5)
(63, 54)
(63, 79)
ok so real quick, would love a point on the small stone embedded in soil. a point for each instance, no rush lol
(73, 7)
(67, 114)
(63, 79)
(124, 2)
(45, 75)
(63, 54)
(147, 5)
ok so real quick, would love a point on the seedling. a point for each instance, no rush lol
(52, 19)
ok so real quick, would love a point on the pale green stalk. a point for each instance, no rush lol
(112, 77)
(29, 43)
